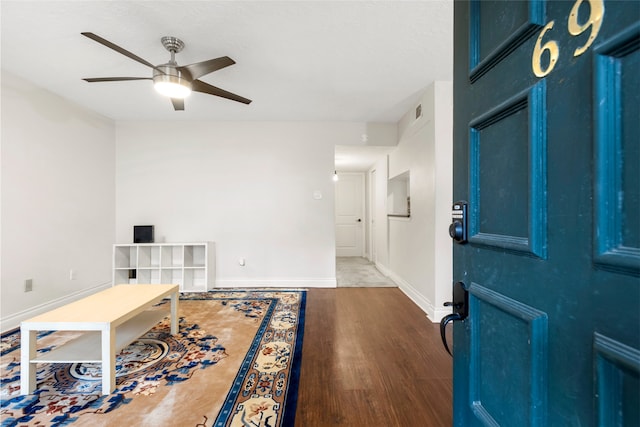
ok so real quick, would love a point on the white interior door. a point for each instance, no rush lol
(349, 214)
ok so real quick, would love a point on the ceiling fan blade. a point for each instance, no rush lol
(114, 79)
(200, 86)
(117, 48)
(178, 104)
(200, 69)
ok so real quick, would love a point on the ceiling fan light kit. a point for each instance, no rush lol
(168, 82)
(170, 79)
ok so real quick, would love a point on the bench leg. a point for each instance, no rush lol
(174, 313)
(27, 369)
(108, 360)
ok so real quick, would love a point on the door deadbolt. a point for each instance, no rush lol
(458, 227)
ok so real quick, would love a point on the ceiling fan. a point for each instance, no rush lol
(170, 79)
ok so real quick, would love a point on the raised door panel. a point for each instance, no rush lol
(617, 152)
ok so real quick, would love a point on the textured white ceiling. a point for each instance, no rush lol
(297, 60)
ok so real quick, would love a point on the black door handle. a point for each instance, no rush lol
(359, 220)
(460, 306)
(443, 328)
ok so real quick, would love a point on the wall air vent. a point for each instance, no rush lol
(418, 111)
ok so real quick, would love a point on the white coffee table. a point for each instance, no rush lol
(111, 319)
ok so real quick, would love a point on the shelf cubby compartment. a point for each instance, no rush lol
(172, 276)
(143, 275)
(144, 256)
(121, 276)
(148, 256)
(188, 256)
(125, 256)
(195, 279)
(155, 256)
(195, 255)
(155, 276)
(172, 256)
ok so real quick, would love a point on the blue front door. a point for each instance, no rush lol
(547, 156)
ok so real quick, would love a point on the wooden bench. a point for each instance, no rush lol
(111, 319)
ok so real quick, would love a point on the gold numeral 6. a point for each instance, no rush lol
(538, 51)
(596, 13)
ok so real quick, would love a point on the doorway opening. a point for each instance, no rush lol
(355, 216)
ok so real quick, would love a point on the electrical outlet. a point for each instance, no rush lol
(28, 285)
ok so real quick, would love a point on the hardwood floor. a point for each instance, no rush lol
(371, 358)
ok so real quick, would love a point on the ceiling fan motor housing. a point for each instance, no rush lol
(169, 73)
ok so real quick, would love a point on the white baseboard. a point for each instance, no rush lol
(276, 283)
(439, 313)
(434, 314)
(384, 270)
(13, 321)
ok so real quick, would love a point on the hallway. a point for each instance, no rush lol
(358, 272)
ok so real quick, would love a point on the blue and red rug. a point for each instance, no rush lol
(235, 362)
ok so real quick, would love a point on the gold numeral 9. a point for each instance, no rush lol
(596, 14)
(550, 46)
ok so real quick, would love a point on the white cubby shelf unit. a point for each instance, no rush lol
(190, 265)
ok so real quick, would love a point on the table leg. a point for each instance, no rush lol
(174, 313)
(108, 360)
(27, 353)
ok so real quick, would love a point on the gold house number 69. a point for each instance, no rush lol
(596, 13)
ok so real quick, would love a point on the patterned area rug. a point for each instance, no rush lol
(234, 362)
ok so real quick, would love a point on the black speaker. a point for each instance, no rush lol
(143, 234)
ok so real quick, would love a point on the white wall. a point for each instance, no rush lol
(246, 186)
(443, 167)
(57, 200)
(379, 209)
(419, 247)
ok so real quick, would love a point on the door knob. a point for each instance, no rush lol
(460, 306)
(456, 230)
